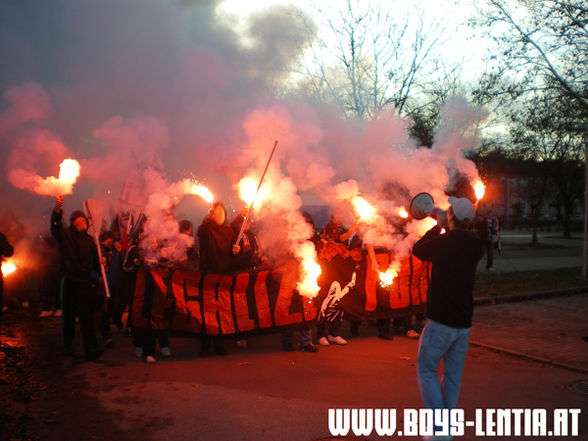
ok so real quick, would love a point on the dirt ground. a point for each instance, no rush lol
(44, 396)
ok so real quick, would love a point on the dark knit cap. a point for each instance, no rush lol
(76, 214)
(185, 225)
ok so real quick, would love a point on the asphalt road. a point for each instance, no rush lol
(260, 393)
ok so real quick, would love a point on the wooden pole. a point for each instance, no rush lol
(255, 197)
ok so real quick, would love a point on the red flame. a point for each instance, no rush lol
(247, 188)
(8, 267)
(363, 209)
(479, 189)
(387, 277)
(310, 271)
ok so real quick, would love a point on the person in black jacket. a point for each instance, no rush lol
(450, 304)
(6, 250)
(79, 270)
(217, 242)
(217, 251)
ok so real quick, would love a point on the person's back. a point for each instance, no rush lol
(455, 256)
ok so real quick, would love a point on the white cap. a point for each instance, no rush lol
(463, 209)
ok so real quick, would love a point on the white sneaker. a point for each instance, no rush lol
(45, 314)
(139, 351)
(337, 340)
(411, 333)
(323, 341)
(150, 359)
(57, 313)
(165, 352)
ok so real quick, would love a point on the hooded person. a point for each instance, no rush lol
(79, 270)
(217, 242)
(217, 251)
(454, 255)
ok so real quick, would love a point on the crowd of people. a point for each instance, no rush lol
(454, 250)
(71, 286)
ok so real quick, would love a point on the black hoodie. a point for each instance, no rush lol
(455, 256)
(79, 257)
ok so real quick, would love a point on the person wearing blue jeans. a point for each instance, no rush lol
(450, 344)
(450, 305)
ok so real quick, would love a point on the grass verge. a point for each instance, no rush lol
(527, 281)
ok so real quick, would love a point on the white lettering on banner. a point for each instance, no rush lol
(362, 421)
(411, 422)
(339, 422)
(457, 417)
(385, 421)
(452, 422)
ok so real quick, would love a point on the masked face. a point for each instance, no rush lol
(219, 215)
(80, 224)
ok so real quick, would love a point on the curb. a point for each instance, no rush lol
(493, 300)
(529, 357)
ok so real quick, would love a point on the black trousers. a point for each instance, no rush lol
(147, 339)
(489, 254)
(78, 298)
(126, 287)
(49, 292)
(334, 327)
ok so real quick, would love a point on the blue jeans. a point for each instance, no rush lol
(450, 344)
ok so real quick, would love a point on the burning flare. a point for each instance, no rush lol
(363, 209)
(69, 170)
(8, 268)
(247, 188)
(310, 271)
(387, 277)
(202, 191)
(403, 213)
(191, 186)
(479, 189)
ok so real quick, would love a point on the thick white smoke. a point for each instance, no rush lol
(175, 90)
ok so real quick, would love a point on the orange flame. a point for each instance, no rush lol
(403, 213)
(387, 277)
(247, 188)
(69, 170)
(479, 189)
(202, 191)
(363, 209)
(8, 268)
(310, 271)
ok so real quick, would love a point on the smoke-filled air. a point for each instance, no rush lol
(166, 110)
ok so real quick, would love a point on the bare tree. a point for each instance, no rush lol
(541, 45)
(371, 58)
